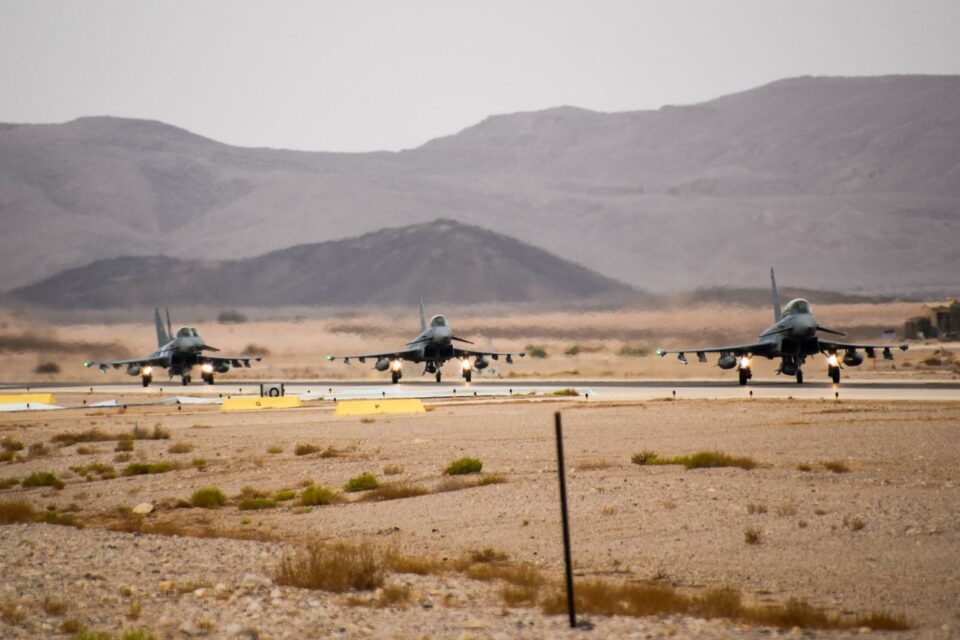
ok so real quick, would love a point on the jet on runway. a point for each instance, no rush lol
(178, 355)
(792, 338)
(433, 346)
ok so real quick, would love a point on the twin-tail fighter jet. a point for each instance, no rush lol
(792, 338)
(433, 347)
(178, 355)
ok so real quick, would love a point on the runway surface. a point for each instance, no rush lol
(586, 389)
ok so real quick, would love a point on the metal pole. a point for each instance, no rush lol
(568, 564)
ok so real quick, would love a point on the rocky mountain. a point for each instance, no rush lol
(445, 260)
(841, 183)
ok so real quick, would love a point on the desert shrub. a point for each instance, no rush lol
(363, 482)
(47, 368)
(305, 449)
(712, 459)
(492, 478)
(42, 479)
(54, 606)
(566, 392)
(464, 466)
(231, 316)
(275, 449)
(393, 595)
(605, 598)
(13, 511)
(392, 470)
(932, 361)
(37, 450)
(9, 444)
(634, 351)
(854, 524)
(249, 493)
(158, 433)
(67, 438)
(753, 508)
(803, 466)
(7, 456)
(535, 351)
(256, 504)
(315, 495)
(837, 466)
(752, 535)
(6, 483)
(122, 457)
(180, 447)
(71, 625)
(104, 471)
(644, 457)
(488, 554)
(199, 463)
(284, 494)
(395, 491)
(124, 445)
(208, 498)
(417, 565)
(337, 567)
(331, 452)
(787, 509)
(145, 468)
(12, 612)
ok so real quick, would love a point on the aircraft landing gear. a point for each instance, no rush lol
(208, 378)
(467, 375)
(438, 375)
(395, 376)
(834, 373)
(744, 376)
(185, 379)
(799, 376)
(146, 380)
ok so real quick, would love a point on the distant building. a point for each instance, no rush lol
(939, 321)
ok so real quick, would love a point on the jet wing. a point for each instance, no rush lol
(405, 354)
(495, 355)
(116, 364)
(755, 348)
(234, 361)
(870, 349)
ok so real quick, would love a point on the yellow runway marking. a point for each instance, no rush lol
(25, 398)
(249, 403)
(371, 407)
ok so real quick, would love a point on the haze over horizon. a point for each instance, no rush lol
(368, 76)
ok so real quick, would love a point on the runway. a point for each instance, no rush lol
(586, 390)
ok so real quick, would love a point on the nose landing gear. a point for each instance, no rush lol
(185, 379)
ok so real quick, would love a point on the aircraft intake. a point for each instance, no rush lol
(383, 364)
(727, 361)
(852, 359)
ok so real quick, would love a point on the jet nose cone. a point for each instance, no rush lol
(804, 327)
(442, 334)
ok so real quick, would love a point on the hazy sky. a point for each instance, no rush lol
(362, 75)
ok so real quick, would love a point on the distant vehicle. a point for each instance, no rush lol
(792, 338)
(433, 346)
(178, 355)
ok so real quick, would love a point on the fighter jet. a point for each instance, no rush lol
(433, 346)
(178, 355)
(792, 338)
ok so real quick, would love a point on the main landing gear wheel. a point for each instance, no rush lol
(835, 374)
(438, 375)
(208, 378)
(743, 376)
(146, 380)
(395, 377)
(185, 380)
(467, 375)
(799, 376)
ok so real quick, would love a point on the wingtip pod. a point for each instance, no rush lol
(331, 358)
(88, 363)
(661, 352)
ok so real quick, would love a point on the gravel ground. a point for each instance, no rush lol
(684, 527)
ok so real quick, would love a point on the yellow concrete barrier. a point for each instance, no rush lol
(371, 407)
(250, 403)
(22, 398)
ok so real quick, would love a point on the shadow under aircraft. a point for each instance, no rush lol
(178, 355)
(792, 338)
(433, 346)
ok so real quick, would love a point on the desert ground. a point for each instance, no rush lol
(853, 507)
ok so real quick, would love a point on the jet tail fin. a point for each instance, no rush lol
(777, 311)
(169, 327)
(423, 316)
(163, 335)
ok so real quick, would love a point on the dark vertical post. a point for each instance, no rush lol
(568, 565)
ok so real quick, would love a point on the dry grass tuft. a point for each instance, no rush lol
(158, 433)
(787, 509)
(488, 555)
(464, 466)
(593, 465)
(753, 508)
(13, 511)
(854, 523)
(42, 479)
(315, 495)
(147, 468)
(275, 449)
(395, 491)
(392, 470)
(54, 606)
(393, 595)
(362, 482)
(6, 483)
(11, 445)
(752, 535)
(837, 466)
(180, 447)
(256, 504)
(803, 466)
(305, 449)
(208, 498)
(698, 460)
(492, 478)
(12, 612)
(72, 625)
(609, 599)
(68, 438)
(337, 567)
(417, 565)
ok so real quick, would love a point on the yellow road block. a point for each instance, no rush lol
(371, 407)
(21, 398)
(249, 403)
